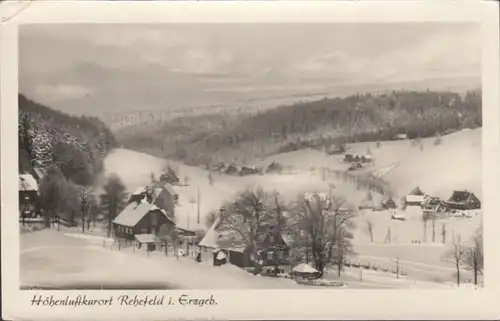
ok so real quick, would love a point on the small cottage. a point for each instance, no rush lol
(28, 196)
(388, 204)
(336, 149)
(414, 200)
(248, 170)
(274, 167)
(272, 248)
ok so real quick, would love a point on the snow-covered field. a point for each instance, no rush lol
(60, 260)
(436, 169)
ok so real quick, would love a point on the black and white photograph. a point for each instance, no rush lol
(161, 158)
(250, 156)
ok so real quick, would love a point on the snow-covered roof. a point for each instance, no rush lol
(147, 238)
(212, 236)
(304, 268)
(134, 212)
(215, 238)
(27, 183)
(415, 198)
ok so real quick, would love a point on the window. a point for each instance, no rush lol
(144, 230)
(269, 255)
(271, 238)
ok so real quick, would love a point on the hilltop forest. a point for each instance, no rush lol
(204, 140)
(75, 145)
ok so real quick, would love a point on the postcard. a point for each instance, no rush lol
(250, 160)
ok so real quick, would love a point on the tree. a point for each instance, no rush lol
(85, 202)
(245, 217)
(320, 221)
(279, 221)
(474, 255)
(113, 199)
(424, 219)
(53, 194)
(456, 254)
(369, 229)
(433, 227)
(168, 235)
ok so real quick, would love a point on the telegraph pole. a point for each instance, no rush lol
(397, 267)
(198, 205)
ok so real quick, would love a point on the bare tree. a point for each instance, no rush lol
(113, 199)
(245, 217)
(433, 227)
(320, 221)
(443, 233)
(424, 219)
(456, 254)
(168, 235)
(85, 202)
(474, 255)
(369, 229)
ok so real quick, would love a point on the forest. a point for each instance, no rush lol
(202, 140)
(69, 150)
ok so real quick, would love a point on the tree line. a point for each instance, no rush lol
(357, 118)
(70, 151)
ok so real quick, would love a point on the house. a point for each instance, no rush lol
(28, 196)
(231, 169)
(274, 167)
(388, 204)
(348, 158)
(151, 241)
(416, 191)
(336, 149)
(272, 248)
(248, 170)
(355, 166)
(140, 217)
(367, 158)
(414, 200)
(165, 197)
(169, 177)
(463, 200)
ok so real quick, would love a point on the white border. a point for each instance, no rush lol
(268, 304)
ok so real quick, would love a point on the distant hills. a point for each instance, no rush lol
(205, 139)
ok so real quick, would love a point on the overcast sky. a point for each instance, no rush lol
(129, 67)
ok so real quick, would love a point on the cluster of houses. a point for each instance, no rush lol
(458, 202)
(245, 170)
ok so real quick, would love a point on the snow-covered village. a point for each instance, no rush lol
(209, 164)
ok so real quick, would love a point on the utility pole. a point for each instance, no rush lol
(397, 268)
(198, 205)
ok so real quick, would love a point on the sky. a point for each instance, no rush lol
(91, 68)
